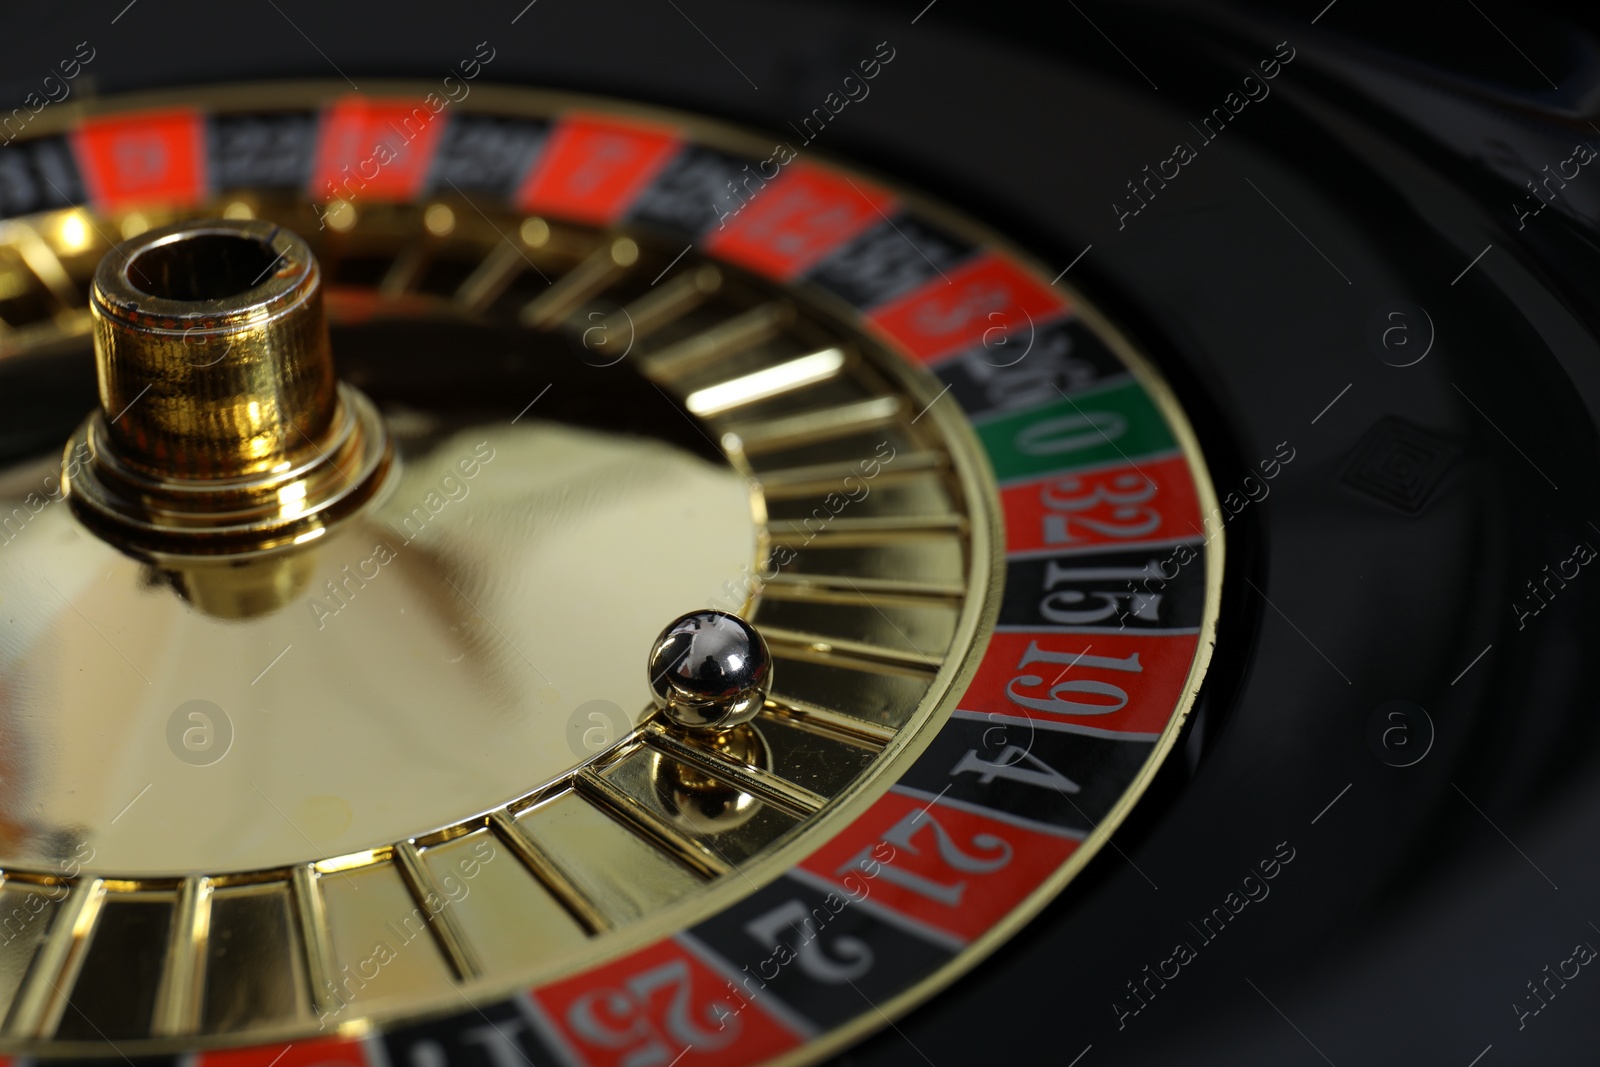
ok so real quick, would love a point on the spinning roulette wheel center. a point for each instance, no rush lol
(230, 479)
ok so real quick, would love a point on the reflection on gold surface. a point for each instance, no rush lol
(253, 973)
(513, 573)
(25, 915)
(382, 938)
(502, 911)
(244, 588)
(626, 877)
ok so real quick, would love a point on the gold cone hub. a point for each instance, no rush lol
(222, 430)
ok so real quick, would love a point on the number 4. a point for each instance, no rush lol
(1010, 767)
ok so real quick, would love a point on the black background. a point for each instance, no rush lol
(1421, 901)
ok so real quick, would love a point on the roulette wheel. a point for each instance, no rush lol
(643, 536)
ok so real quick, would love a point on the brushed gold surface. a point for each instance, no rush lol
(725, 821)
(115, 993)
(180, 995)
(625, 876)
(831, 723)
(42, 998)
(555, 879)
(936, 559)
(650, 823)
(443, 923)
(820, 761)
(448, 649)
(315, 942)
(26, 915)
(905, 625)
(254, 971)
(774, 788)
(504, 914)
(845, 651)
(916, 493)
(877, 695)
(382, 943)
